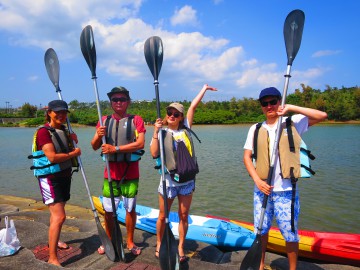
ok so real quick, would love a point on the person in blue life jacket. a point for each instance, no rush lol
(176, 131)
(124, 136)
(282, 202)
(53, 140)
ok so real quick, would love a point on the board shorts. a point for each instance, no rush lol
(128, 190)
(278, 205)
(54, 189)
(172, 192)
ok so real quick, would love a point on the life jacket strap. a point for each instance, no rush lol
(256, 135)
(293, 183)
(290, 134)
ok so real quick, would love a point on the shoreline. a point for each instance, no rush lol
(31, 218)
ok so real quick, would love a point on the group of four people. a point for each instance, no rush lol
(125, 134)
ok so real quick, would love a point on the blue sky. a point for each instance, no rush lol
(236, 46)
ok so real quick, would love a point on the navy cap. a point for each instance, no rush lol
(270, 91)
(118, 89)
(58, 105)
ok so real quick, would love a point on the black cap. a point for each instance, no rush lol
(58, 105)
(118, 89)
(270, 91)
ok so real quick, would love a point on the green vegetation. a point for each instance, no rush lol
(340, 104)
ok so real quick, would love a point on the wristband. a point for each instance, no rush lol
(117, 148)
(156, 138)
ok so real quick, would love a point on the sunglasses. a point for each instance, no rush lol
(175, 114)
(271, 102)
(121, 99)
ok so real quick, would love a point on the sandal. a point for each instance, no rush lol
(62, 245)
(101, 250)
(183, 259)
(135, 250)
(157, 254)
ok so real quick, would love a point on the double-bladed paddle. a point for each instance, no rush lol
(293, 28)
(87, 45)
(168, 255)
(53, 70)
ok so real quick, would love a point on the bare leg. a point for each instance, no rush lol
(160, 223)
(292, 250)
(57, 219)
(184, 208)
(264, 241)
(130, 227)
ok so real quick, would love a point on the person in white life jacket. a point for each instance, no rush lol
(177, 125)
(282, 203)
(124, 134)
(55, 187)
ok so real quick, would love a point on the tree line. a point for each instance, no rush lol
(340, 104)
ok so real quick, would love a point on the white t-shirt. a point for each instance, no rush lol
(301, 124)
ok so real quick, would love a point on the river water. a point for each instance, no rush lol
(329, 201)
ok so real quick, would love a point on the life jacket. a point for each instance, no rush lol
(293, 154)
(41, 164)
(170, 150)
(120, 132)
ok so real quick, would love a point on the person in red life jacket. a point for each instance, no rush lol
(125, 136)
(177, 130)
(54, 141)
(283, 201)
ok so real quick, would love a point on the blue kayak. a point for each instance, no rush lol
(220, 233)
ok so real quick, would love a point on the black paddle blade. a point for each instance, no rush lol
(117, 241)
(252, 258)
(105, 241)
(52, 67)
(293, 29)
(168, 254)
(154, 52)
(87, 45)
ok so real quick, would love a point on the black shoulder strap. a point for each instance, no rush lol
(192, 132)
(107, 120)
(256, 135)
(62, 146)
(128, 128)
(290, 135)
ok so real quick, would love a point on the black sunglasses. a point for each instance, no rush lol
(121, 99)
(271, 102)
(175, 114)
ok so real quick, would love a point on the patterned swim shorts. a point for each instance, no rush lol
(172, 192)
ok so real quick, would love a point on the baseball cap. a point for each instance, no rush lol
(176, 106)
(270, 91)
(58, 105)
(118, 89)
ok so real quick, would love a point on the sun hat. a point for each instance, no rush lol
(118, 89)
(58, 105)
(270, 91)
(176, 106)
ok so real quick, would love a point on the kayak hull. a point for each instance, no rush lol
(221, 233)
(340, 248)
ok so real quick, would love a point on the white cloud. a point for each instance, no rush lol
(184, 16)
(33, 78)
(326, 53)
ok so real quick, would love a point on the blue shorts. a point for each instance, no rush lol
(172, 192)
(278, 205)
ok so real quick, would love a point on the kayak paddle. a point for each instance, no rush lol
(293, 28)
(53, 70)
(168, 255)
(87, 45)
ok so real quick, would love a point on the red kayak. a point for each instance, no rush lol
(340, 248)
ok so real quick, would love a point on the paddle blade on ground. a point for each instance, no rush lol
(252, 258)
(168, 258)
(105, 241)
(87, 45)
(117, 240)
(52, 67)
(153, 50)
(293, 29)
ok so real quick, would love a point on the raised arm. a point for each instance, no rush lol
(314, 116)
(196, 101)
